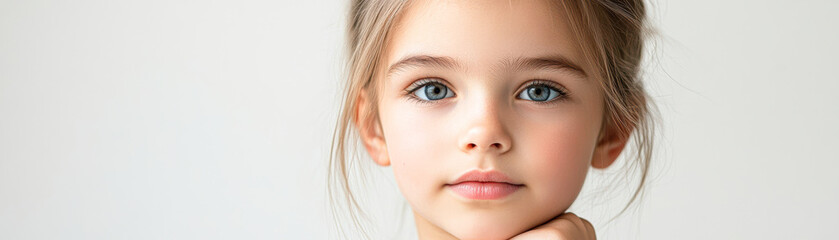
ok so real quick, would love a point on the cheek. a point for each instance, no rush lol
(414, 144)
(557, 157)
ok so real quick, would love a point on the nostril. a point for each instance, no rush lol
(496, 145)
(471, 146)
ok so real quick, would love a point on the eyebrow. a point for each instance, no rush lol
(423, 61)
(555, 62)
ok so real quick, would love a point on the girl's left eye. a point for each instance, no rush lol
(540, 93)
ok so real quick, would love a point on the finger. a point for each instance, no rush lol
(563, 221)
(589, 229)
(580, 224)
(568, 215)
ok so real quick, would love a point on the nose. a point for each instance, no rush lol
(486, 133)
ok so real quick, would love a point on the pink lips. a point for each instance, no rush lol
(484, 185)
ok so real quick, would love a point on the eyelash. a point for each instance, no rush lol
(420, 84)
(563, 94)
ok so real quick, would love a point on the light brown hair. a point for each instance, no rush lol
(611, 34)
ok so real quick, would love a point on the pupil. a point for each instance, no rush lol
(538, 93)
(435, 91)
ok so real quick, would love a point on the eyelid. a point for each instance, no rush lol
(563, 92)
(424, 81)
(537, 82)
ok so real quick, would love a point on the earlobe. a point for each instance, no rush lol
(370, 131)
(607, 151)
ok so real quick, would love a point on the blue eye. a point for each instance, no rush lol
(433, 91)
(540, 93)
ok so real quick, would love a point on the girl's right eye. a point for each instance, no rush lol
(430, 90)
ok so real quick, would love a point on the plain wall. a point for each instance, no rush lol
(212, 120)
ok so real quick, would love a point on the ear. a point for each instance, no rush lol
(608, 148)
(370, 131)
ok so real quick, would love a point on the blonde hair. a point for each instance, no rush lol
(611, 34)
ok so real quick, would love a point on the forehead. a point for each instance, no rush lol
(482, 34)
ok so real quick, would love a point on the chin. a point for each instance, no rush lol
(484, 234)
(487, 227)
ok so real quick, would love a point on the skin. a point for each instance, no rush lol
(485, 124)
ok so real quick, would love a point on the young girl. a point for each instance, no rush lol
(490, 113)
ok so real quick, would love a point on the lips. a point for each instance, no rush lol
(488, 185)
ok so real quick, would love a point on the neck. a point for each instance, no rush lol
(427, 230)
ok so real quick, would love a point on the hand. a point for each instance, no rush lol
(566, 226)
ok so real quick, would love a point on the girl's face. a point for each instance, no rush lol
(486, 86)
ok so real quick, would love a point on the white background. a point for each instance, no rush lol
(212, 120)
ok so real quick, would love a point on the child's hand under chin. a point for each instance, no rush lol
(566, 226)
